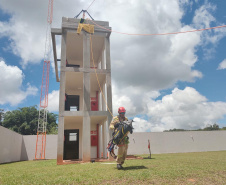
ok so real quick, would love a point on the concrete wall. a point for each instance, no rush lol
(15, 147)
(10, 145)
(29, 144)
(177, 142)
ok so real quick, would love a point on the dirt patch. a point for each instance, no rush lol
(191, 180)
(128, 157)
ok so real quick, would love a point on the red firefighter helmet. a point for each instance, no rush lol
(121, 109)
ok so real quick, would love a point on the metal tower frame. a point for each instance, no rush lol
(43, 109)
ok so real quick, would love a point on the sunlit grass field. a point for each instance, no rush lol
(184, 168)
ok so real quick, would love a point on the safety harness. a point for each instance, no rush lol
(119, 134)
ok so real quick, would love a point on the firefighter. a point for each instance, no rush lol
(123, 146)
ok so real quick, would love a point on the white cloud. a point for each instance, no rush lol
(11, 78)
(131, 98)
(186, 109)
(141, 125)
(141, 65)
(159, 62)
(182, 109)
(26, 28)
(153, 62)
(204, 19)
(121, 100)
(222, 65)
(24, 41)
(53, 104)
(203, 16)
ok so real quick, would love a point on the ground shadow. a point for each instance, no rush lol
(134, 168)
(148, 158)
(23, 155)
(11, 162)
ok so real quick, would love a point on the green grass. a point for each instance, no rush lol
(186, 168)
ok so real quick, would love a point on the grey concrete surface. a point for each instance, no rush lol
(10, 145)
(29, 142)
(86, 143)
(16, 147)
(60, 146)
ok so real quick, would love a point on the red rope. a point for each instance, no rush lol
(158, 33)
(90, 4)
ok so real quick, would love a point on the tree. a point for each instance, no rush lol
(215, 126)
(212, 127)
(52, 127)
(25, 121)
(1, 115)
(174, 130)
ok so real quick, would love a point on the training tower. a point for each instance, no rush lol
(85, 97)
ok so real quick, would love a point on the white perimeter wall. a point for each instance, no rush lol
(29, 146)
(10, 145)
(15, 147)
(177, 142)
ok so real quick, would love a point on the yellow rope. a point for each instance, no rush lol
(97, 76)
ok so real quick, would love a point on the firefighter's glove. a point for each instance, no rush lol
(131, 131)
(116, 125)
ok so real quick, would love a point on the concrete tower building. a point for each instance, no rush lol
(83, 114)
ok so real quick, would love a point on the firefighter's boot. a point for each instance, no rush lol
(119, 166)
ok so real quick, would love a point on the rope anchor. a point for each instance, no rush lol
(84, 11)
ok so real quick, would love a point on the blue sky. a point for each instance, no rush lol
(164, 82)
